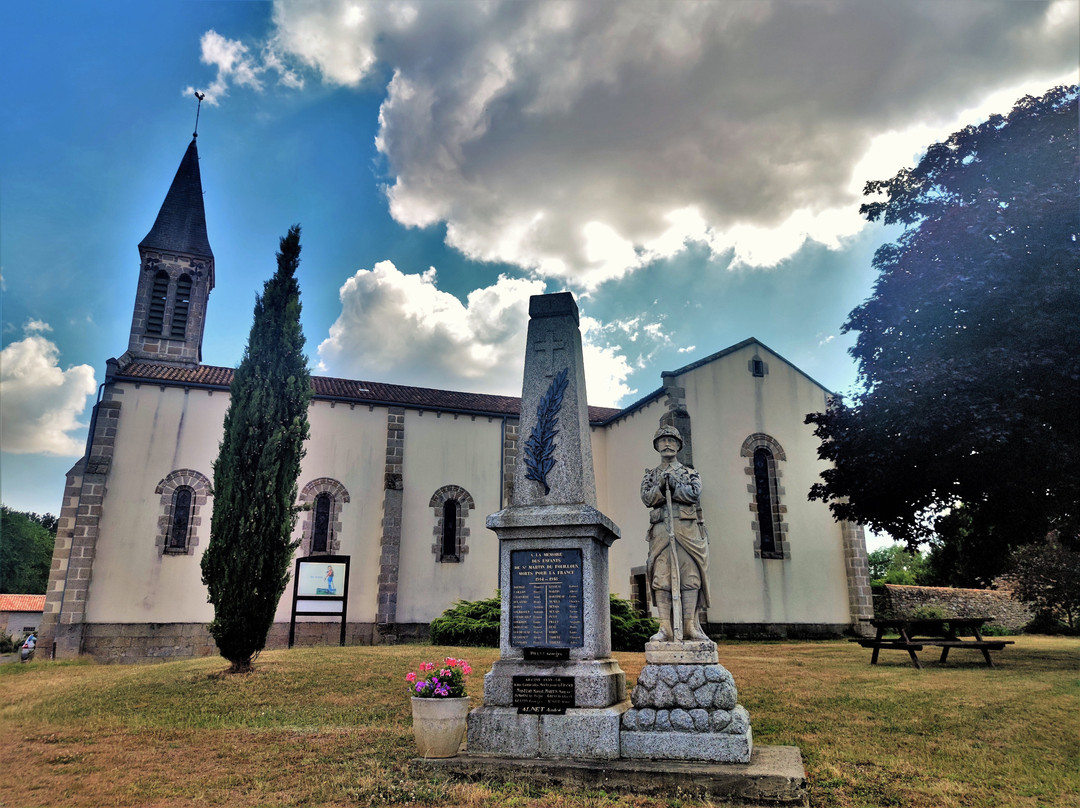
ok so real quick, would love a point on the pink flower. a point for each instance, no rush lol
(451, 661)
(444, 672)
(427, 666)
(465, 668)
(410, 677)
(442, 690)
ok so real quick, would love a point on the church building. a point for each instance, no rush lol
(400, 479)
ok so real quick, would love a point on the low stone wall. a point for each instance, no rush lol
(903, 601)
(140, 642)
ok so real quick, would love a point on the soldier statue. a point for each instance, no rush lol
(677, 571)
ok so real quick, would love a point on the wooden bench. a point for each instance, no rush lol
(916, 633)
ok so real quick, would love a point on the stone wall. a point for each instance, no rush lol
(902, 601)
(126, 643)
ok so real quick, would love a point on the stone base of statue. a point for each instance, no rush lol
(686, 710)
(686, 652)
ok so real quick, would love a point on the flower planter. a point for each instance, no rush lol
(439, 725)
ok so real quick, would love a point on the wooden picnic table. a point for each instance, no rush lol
(946, 633)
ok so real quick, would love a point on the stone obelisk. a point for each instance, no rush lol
(555, 692)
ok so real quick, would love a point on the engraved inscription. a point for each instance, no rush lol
(546, 695)
(546, 599)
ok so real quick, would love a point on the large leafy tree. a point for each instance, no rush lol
(26, 548)
(246, 564)
(1048, 577)
(967, 422)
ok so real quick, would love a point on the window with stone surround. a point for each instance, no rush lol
(451, 505)
(184, 494)
(321, 523)
(176, 541)
(770, 530)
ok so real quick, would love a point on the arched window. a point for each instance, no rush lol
(181, 520)
(763, 492)
(320, 529)
(184, 494)
(321, 533)
(181, 306)
(451, 504)
(770, 529)
(159, 292)
(449, 531)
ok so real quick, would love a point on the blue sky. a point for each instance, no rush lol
(690, 170)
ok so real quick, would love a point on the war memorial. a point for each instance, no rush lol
(555, 704)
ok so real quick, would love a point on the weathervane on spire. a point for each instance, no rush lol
(200, 96)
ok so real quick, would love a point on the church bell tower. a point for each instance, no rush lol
(176, 274)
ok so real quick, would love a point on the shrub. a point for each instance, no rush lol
(630, 629)
(993, 630)
(471, 623)
(8, 643)
(476, 623)
(927, 612)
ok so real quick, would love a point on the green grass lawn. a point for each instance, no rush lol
(332, 726)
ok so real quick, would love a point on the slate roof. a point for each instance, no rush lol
(22, 603)
(181, 223)
(350, 390)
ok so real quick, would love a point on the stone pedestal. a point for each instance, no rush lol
(589, 729)
(686, 710)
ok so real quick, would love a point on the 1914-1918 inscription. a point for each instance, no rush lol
(543, 695)
(546, 599)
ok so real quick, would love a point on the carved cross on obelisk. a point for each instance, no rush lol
(550, 345)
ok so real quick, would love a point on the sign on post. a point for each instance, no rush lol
(320, 588)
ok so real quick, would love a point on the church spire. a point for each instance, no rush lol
(176, 275)
(181, 223)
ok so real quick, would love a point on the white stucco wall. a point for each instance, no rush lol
(442, 450)
(628, 452)
(727, 404)
(159, 430)
(348, 444)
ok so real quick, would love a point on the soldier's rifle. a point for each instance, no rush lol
(676, 582)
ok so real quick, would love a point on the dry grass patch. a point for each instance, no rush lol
(331, 726)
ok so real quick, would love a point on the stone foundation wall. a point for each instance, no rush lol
(140, 642)
(777, 631)
(902, 601)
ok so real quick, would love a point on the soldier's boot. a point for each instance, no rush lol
(691, 627)
(663, 603)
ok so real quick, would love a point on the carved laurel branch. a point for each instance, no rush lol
(540, 447)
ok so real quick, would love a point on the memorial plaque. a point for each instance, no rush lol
(546, 601)
(547, 654)
(543, 695)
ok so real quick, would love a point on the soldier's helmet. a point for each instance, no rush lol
(667, 431)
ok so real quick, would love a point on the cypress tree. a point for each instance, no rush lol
(246, 564)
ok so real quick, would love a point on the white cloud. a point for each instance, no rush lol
(237, 66)
(401, 328)
(40, 402)
(583, 140)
